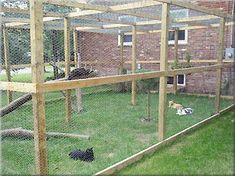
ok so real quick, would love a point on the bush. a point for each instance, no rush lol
(145, 85)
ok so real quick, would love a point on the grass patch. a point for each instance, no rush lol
(23, 77)
(208, 151)
(114, 126)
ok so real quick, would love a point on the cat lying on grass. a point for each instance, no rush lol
(87, 155)
(181, 110)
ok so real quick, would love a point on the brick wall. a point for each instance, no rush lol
(202, 44)
(225, 6)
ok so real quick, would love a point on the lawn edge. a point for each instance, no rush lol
(136, 157)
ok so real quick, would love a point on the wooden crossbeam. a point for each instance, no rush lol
(189, 20)
(78, 4)
(195, 7)
(26, 11)
(91, 12)
(14, 22)
(197, 61)
(184, 28)
(117, 8)
(10, 19)
(65, 85)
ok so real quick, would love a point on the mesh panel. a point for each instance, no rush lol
(102, 117)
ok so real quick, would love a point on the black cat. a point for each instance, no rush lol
(87, 155)
(79, 73)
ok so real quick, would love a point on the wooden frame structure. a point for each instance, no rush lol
(38, 87)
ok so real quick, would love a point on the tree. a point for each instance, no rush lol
(147, 85)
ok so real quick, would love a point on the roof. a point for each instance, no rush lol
(113, 16)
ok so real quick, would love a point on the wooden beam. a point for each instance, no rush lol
(28, 134)
(18, 87)
(16, 24)
(135, 5)
(163, 67)
(219, 61)
(133, 68)
(184, 28)
(191, 21)
(26, 11)
(77, 60)
(75, 46)
(198, 61)
(65, 85)
(176, 59)
(122, 52)
(121, 9)
(7, 60)
(68, 100)
(15, 19)
(195, 7)
(191, 70)
(77, 4)
(36, 38)
(136, 157)
(95, 62)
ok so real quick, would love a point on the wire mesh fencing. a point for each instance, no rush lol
(94, 126)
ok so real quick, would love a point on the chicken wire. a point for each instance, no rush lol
(116, 128)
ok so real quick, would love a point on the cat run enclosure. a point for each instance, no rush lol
(112, 38)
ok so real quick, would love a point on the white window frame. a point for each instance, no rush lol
(184, 84)
(185, 41)
(127, 18)
(180, 42)
(124, 43)
(184, 80)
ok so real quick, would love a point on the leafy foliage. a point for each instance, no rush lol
(176, 64)
(19, 39)
(147, 84)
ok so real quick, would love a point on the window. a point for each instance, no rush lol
(181, 79)
(127, 40)
(182, 34)
(182, 37)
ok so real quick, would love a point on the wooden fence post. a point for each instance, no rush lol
(7, 61)
(77, 63)
(75, 47)
(121, 52)
(68, 103)
(219, 61)
(37, 63)
(163, 67)
(176, 59)
(134, 46)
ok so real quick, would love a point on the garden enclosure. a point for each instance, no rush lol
(123, 108)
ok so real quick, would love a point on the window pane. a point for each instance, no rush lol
(170, 80)
(180, 79)
(171, 35)
(127, 38)
(181, 34)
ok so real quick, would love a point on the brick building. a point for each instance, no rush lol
(201, 44)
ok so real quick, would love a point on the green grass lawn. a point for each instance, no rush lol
(23, 77)
(114, 126)
(207, 151)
